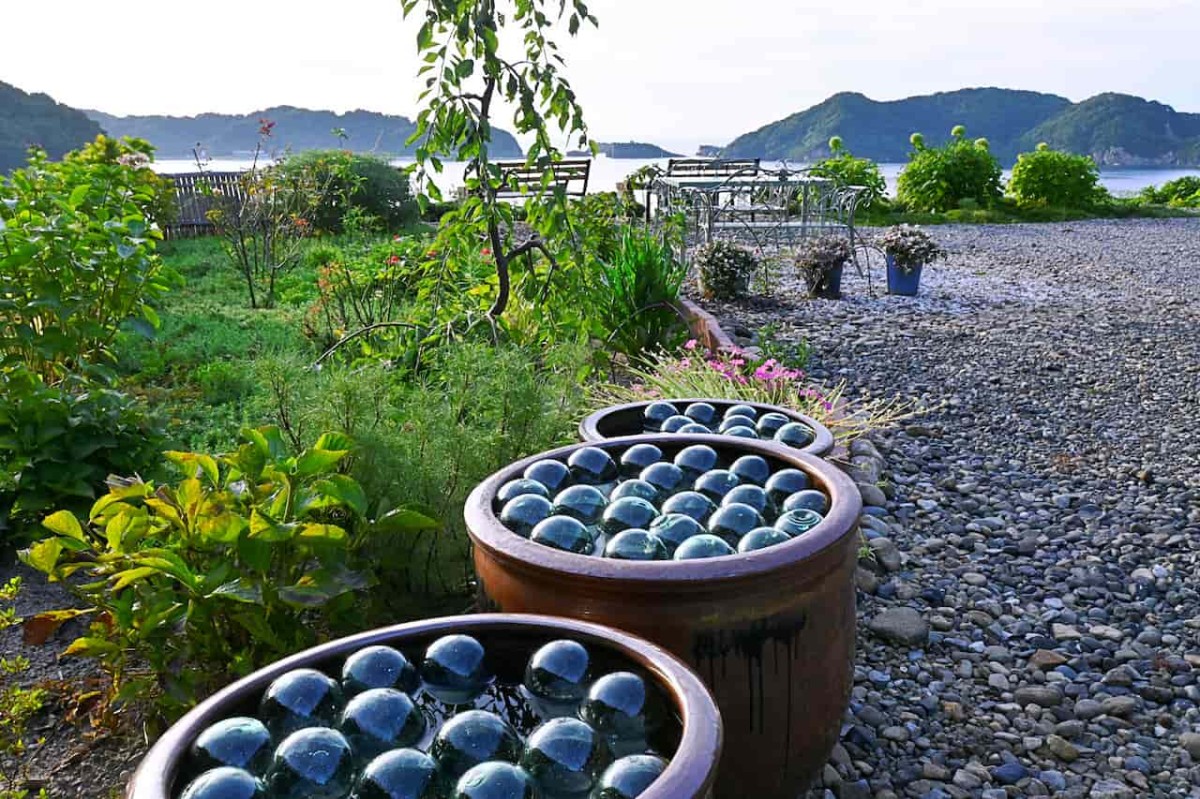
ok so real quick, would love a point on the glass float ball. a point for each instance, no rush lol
(523, 513)
(733, 521)
(565, 533)
(786, 482)
(592, 466)
(381, 719)
(809, 499)
(471, 738)
(400, 774)
(516, 488)
(665, 477)
(701, 413)
(694, 429)
(496, 781)
(559, 671)
(751, 469)
(795, 434)
(554, 475)
(635, 544)
(638, 457)
(378, 667)
(675, 528)
(696, 459)
(741, 431)
(703, 546)
(744, 411)
(675, 424)
(690, 503)
(316, 763)
(634, 488)
(239, 742)
(299, 699)
(616, 705)
(655, 414)
(750, 495)
(454, 669)
(716, 483)
(761, 538)
(626, 514)
(583, 502)
(629, 777)
(798, 522)
(733, 421)
(565, 756)
(769, 423)
(225, 782)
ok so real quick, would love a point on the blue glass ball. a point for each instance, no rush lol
(299, 699)
(701, 413)
(381, 719)
(675, 424)
(378, 667)
(716, 483)
(516, 488)
(750, 495)
(694, 429)
(733, 421)
(690, 503)
(665, 477)
(654, 414)
(795, 434)
(523, 513)
(496, 781)
(634, 488)
(761, 538)
(703, 546)
(626, 514)
(316, 763)
(400, 774)
(565, 533)
(239, 742)
(638, 457)
(554, 475)
(583, 502)
(559, 671)
(751, 469)
(731, 522)
(798, 522)
(635, 544)
(810, 499)
(592, 466)
(565, 756)
(744, 411)
(769, 423)
(471, 738)
(675, 528)
(455, 669)
(786, 482)
(696, 459)
(225, 782)
(629, 776)
(741, 431)
(616, 705)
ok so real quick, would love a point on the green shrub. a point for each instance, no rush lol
(725, 269)
(59, 442)
(942, 178)
(636, 294)
(1182, 192)
(355, 182)
(846, 170)
(246, 558)
(1051, 178)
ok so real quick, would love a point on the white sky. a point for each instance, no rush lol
(674, 72)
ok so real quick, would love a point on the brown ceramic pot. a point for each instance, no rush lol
(771, 631)
(626, 420)
(508, 638)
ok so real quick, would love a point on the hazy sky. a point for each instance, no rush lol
(676, 72)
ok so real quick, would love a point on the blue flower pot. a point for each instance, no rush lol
(830, 287)
(901, 282)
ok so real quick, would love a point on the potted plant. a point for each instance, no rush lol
(724, 269)
(820, 262)
(908, 250)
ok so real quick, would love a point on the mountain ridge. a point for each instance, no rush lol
(28, 118)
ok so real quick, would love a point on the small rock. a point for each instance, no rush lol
(1046, 659)
(1040, 695)
(1065, 632)
(1190, 741)
(1009, 773)
(1111, 789)
(1120, 707)
(900, 625)
(1062, 748)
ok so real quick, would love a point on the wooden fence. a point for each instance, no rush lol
(193, 201)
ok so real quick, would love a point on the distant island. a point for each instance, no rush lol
(224, 135)
(627, 149)
(27, 119)
(1114, 129)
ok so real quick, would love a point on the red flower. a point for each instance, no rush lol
(485, 251)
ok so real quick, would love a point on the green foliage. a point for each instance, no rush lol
(367, 183)
(1182, 192)
(77, 257)
(58, 443)
(1051, 178)
(818, 258)
(909, 246)
(636, 294)
(137, 154)
(724, 269)
(943, 178)
(846, 170)
(18, 703)
(246, 558)
(35, 119)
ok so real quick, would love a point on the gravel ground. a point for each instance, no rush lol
(1030, 623)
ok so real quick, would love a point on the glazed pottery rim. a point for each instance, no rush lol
(822, 443)
(845, 505)
(691, 771)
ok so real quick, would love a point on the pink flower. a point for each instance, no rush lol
(685, 363)
(690, 344)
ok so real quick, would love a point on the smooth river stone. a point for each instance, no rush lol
(676, 423)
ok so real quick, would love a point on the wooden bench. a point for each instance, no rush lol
(712, 167)
(521, 180)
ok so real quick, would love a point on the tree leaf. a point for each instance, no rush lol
(403, 520)
(36, 630)
(64, 522)
(240, 590)
(91, 647)
(345, 490)
(43, 555)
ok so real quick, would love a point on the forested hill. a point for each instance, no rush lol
(297, 129)
(1117, 130)
(27, 119)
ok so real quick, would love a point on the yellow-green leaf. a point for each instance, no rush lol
(64, 522)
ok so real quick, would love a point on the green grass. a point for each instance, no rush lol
(1008, 212)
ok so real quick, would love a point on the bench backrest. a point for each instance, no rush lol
(711, 167)
(521, 180)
